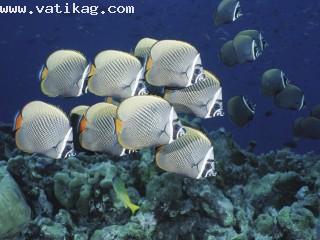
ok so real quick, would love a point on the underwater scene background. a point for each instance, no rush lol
(271, 192)
(291, 30)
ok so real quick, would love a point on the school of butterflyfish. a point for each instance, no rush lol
(144, 94)
(131, 116)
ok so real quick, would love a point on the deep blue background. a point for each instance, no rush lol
(292, 28)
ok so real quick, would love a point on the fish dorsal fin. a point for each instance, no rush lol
(105, 57)
(59, 56)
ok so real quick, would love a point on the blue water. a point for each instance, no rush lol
(292, 29)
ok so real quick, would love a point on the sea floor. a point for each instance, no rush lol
(275, 195)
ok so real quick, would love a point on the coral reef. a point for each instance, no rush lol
(270, 196)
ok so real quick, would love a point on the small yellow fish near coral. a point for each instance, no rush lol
(122, 194)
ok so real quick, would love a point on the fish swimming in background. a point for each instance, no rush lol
(65, 74)
(173, 64)
(291, 97)
(146, 121)
(228, 54)
(315, 111)
(273, 82)
(118, 74)
(245, 47)
(307, 127)
(122, 194)
(227, 11)
(240, 110)
(257, 36)
(97, 132)
(191, 155)
(43, 128)
(203, 99)
(143, 49)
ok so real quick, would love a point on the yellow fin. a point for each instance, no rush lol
(134, 208)
(44, 73)
(109, 100)
(18, 122)
(83, 124)
(119, 126)
(92, 71)
(149, 64)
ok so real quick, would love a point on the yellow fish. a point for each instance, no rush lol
(122, 194)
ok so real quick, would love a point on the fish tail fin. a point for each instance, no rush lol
(134, 208)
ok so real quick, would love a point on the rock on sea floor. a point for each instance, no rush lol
(275, 195)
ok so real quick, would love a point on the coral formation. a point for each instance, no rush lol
(270, 196)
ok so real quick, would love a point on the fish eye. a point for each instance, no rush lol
(141, 89)
(257, 51)
(197, 71)
(216, 110)
(68, 152)
(209, 170)
(178, 131)
(197, 74)
(181, 132)
(238, 12)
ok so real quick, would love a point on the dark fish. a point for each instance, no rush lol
(273, 82)
(307, 127)
(291, 97)
(228, 11)
(228, 54)
(240, 110)
(315, 112)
